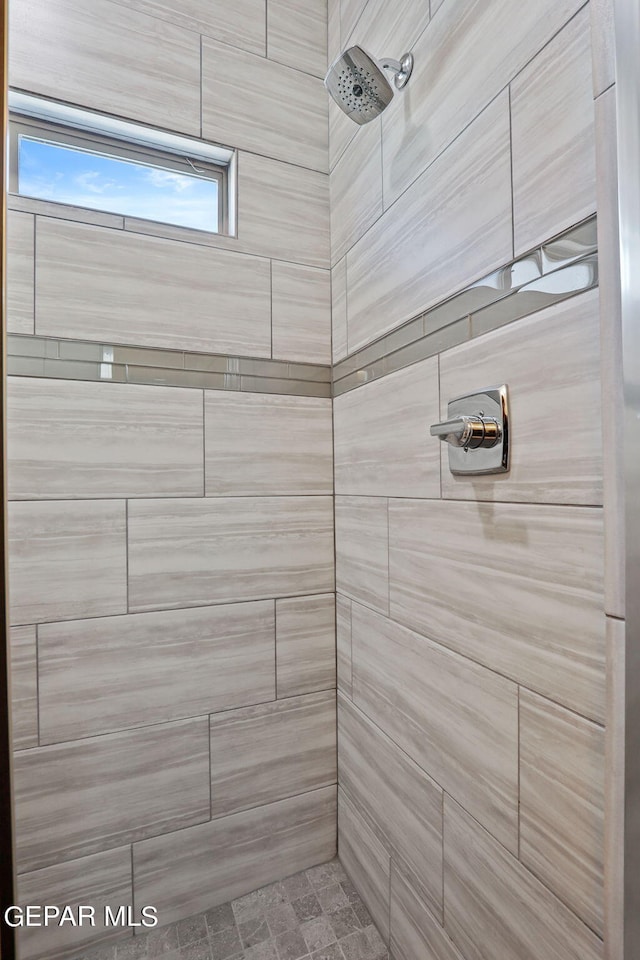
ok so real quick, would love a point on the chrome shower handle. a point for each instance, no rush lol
(468, 432)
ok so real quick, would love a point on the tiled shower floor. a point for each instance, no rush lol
(313, 915)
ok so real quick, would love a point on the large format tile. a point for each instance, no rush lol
(301, 313)
(68, 560)
(556, 440)
(496, 908)
(105, 284)
(362, 550)
(451, 227)
(267, 445)
(402, 802)
(241, 23)
(20, 272)
(514, 586)
(102, 675)
(356, 190)
(615, 789)
(297, 35)
(187, 553)
(343, 643)
(454, 718)
(451, 83)
(305, 644)
(283, 211)
(194, 869)
(561, 804)
(270, 752)
(381, 433)
(71, 440)
(109, 58)
(24, 687)
(554, 170)
(366, 861)
(415, 933)
(339, 311)
(275, 110)
(78, 798)
(390, 30)
(602, 46)
(101, 880)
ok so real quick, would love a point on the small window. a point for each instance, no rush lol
(72, 166)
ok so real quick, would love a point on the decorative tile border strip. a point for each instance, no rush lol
(559, 269)
(29, 356)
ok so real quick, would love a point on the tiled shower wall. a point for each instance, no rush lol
(471, 616)
(172, 555)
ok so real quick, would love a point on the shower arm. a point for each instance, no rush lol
(401, 69)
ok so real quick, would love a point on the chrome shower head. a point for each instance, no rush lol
(358, 85)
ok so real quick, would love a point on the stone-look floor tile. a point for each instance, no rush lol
(332, 897)
(344, 921)
(162, 941)
(262, 951)
(307, 908)
(297, 886)
(326, 874)
(225, 944)
(254, 931)
(361, 913)
(291, 945)
(318, 933)
(332, 952)
(100, 953)
(219, 918)
(378, 946)
(134, 949)
(357, 946)
(280, 918)
(192, 930)
(200, 950)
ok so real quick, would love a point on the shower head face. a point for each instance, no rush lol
(358, 85)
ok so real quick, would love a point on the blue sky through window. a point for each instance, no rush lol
(51, 171)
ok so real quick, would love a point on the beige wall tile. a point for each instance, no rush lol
(561, 804)
(611, 354)
(382, 444)
(556, 440)
(65, 211)
(301, 313)
(297, 34)
(554, 177)
(342, 130)
(451, 227)
(186, 553)
(241, 23)
(544, 626)
(283, 211)
(415, 933)
(451, 84)
(20, 272)
(261, 444)
(403, 805)
(386, 29)
(454, 718)
(356, 190)
(343, 643)
(362, 550)
(109, 58)
(333, 28)
(366, 862)
(68, 440)
(339, 310)
(435, 4)
(109, 791)
(350, 11)
(24, 687)
(131, 289)
(100, 880)
(68, 560)
(270, 752)
(275, 111)
(101, 675)
(496, 908)
(305, 645)
(189, 871)
(602, 45)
